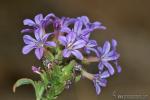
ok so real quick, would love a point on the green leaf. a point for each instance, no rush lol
(21, 82)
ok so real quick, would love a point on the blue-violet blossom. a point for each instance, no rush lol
(106, 55)
(72, 45)
(39, 24)
(37, 44)
(99, 81)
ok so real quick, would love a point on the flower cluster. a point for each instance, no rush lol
(71, 36)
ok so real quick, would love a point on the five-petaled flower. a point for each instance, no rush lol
(37, 44)
(78, 30)
(106, 55)
(72, 45)
(99, 81)
(39, 24)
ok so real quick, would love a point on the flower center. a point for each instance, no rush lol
(70, 46)
(40, 44)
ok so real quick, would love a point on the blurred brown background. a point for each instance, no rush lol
(128, 21)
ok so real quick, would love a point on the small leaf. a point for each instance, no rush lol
(21, 82)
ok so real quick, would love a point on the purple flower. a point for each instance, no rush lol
(99, 81)
(106, 56)
(81, 33)
(37, 44)
(72, 46)
(36, 69)
(92, 26)
(90, 46)
(38, 24)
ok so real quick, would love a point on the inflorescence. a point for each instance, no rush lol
(61, 41)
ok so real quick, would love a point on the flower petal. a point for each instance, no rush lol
(105, 74)
(62, 40)
(26, 30)
(102, 82)
(112, 55)
(45, 37)
(96, 25)
(49, 16)
(87, 50)
(28, 22)
(100, 51)
(65, 29)
(106, 48)
(110, 58)
(119, 69)
(71, 37)
(86, 32)
(38, 18)
(51, 44)
(91, 43)
(66, 53)
(98, 89)
(85, 20)
(39, 52)
(78, 27)
(28, 39)
(67, 21)
(114, 44)
(77, 54)
(39, 33)
(101, 66)
(109, 67)
(26, 49)
(78, 44)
